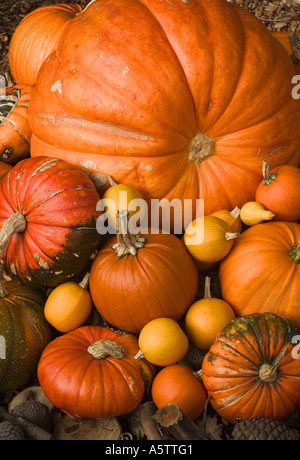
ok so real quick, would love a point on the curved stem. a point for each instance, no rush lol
(139, 355)
(103, 348)
(128, 243)
(16, 223)
(268, 177)
(268, 372)
(231, 236)
(85, 281)
(235, 212)
(207, 291)
(295, 253)
(294, 40)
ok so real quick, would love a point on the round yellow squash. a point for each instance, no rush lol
(162, 342)
(69, 305)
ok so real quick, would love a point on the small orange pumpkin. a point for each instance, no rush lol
(279, 191)
(178, 384)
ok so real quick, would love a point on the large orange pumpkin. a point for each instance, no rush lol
(35, 37)
(91, 372)
(262, 272)
(136, 279)
(251, 369)
(180, 99)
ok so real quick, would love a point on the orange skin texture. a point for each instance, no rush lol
(35, 37)
(205, 318)
(177, 384)
(83, 386)
(163, 342)
(145, 100)
(231, 369)
(59, 203)
(282, 195)
(160, 281)
(15, 133)
(258, 275)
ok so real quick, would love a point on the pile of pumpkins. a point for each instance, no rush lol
(92, 112)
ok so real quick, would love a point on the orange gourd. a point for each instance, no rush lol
(279, 191)
(35, 37)
(69, 305)
(178, 384)
(233, 218)
(209, 239)
(251, 371)
(253, 213)
(162, 342)
(262, 271)
(206, 317)
(121, 197)
(171, 119)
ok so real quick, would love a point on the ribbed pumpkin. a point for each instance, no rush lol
(15, 133)
(91, 372)
(262, 271)
(171, 115)
(135, 279)
(250, 370)
(279, 191)
(47, 221)
(24, 333)
(35, 37)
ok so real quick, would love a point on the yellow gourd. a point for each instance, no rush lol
(253, 213)
(162, 342)
(206, 317)
(69, 305)
(209, 239)
(120, 197)
(231, 217)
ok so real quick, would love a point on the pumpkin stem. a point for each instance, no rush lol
(231, 236)
(207, 291)
(103, 348)
(268, 177)
(128, 243)
(235, 212)
(201, 147)
(85, 281)
(295, 253)
(268, 372)
(139, 355)
(16, 223)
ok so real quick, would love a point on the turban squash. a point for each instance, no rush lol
(251, 369)
(47, 220)
(188, 115)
